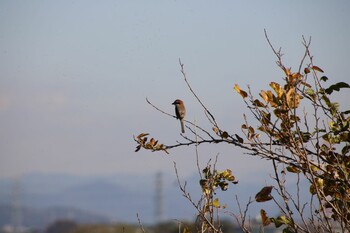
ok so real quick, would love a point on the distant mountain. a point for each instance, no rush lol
(39, 218)
(118, 197)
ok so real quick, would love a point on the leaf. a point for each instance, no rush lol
(293, 169)
(141, 135)
(138, 148)
(239, 91)
(264, 95)
(186, 230)
(280, 220)
(216, 203)
(310, 91)
(274, 102)
(277, 88)
(240, 140)
(288, 230)
(258, 103)
(224, 135)
(264, 194)
(324, 78)
(152, 142)
(227, 174)
(319, 184)
(336, 87)
(316, 68)
(293, 99)
(306, 70)
(264, 219)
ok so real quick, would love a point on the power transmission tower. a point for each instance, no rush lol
(159, 198)
(16, 207)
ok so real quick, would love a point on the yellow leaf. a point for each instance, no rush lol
(293, 169)
(277, 88)
(293, 99)
(316, 68)
(239, 91)
(186, 230)
(216, 203)
(286, 71)
(263, 95)
(272, 99)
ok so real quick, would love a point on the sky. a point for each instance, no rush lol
(74, 76)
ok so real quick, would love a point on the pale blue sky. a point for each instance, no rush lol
(75, 74)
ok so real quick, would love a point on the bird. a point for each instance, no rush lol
(180, 112)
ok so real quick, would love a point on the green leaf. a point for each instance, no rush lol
(280, 220)
(310, 91)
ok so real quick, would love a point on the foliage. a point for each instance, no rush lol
(303, 133)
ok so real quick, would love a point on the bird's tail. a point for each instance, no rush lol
(182, 126)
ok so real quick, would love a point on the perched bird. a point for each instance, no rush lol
(180, 112)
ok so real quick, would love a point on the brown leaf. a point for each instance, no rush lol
(264, 219)
(224, 135)
(240, 140)
(258, 103)
(141, 135)
(264, 194)
(152, 142)
(138, 148)
(316, 68)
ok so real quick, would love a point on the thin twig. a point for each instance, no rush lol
(195, 95)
